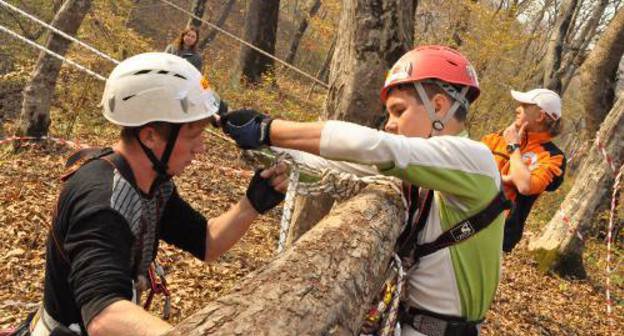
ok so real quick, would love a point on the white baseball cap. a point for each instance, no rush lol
(547, 100)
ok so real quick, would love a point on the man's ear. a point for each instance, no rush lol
(541, 116)
(148, 136)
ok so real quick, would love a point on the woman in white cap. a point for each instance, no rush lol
(527, 159)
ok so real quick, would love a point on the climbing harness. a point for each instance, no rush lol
(158, 285)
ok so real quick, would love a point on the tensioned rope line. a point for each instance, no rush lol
(240, 40)
(58, 31)
(52, 53)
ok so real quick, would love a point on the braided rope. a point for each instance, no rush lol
(390, 323)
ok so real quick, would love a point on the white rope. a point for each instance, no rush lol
(52, 53)
(289, 201)
(337, 184)
(221, 30)
(58, 31)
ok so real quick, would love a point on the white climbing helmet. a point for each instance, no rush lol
(157, 87)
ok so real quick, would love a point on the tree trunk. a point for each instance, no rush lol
(558, 247)
(577, 53)
(552, 61)
(39, 92)
(261, 31)
(307, 212)
(323, 285)
(598, 73)
(199, 6)
(373, 35)
(225, 12)
(301, 28)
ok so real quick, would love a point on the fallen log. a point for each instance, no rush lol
(322, 285)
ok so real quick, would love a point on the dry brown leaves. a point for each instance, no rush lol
(527, 302)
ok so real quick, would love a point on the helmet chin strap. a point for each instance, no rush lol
(437, 124)
(161, 166)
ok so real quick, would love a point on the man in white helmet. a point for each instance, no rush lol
(117, 203)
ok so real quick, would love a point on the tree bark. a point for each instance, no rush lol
(373, 35)
(225, 12)
(558, 247)
(598, 73)
(199, 6)
(307, 212)
(577, 52)
(552, 61)
(39, 92)
(323, 285)
(261, 31)
(301, 28)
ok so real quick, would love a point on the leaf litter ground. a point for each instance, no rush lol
(527, 302)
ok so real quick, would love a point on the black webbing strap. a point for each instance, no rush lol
(420, 204)
(466, 228)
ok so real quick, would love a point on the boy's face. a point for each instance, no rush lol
(406, 115)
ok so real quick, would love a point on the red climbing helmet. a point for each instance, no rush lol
(433, 62)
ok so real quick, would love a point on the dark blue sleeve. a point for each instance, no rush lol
(184, 227)
(98, 247)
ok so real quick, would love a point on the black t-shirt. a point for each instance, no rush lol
(102, 225)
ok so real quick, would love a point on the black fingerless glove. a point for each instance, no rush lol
(261, 194)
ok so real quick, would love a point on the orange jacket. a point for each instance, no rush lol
(545, 161)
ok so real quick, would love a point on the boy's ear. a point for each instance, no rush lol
(441, 102)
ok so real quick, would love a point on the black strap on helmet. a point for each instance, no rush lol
(161, 166)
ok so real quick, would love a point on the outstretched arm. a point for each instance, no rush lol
(263, 194)
(297, 135)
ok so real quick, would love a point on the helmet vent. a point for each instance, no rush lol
(111, 104)
(128, 97)
(142, 72)
(184, 104)
(162, 72)
(451, 62)
(179, 76)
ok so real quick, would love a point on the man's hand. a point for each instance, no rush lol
(249, 128)
(267, 187)
(513, 135)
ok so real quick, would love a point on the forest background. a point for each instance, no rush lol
(509, 42)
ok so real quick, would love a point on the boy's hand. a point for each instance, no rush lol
(249, 128)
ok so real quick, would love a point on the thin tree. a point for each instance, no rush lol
(198, 9)
(577, 53)
(554, 54)
(261, 31)
(313, 6)
(39, 92)
(225, 12)
(598, 73)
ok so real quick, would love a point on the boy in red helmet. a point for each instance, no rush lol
(454, 247)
